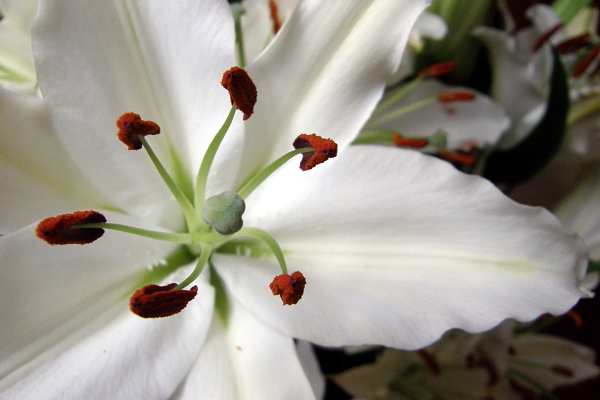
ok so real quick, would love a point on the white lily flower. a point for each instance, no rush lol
(499, 364)
(390, 241)
(17, 71)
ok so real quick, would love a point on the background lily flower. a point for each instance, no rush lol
(397, 247)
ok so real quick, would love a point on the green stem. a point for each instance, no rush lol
(208, 160)
(269, 241)
(399, 112)
(184, 203)
(184, 238)
(202, 260)
(257, 179)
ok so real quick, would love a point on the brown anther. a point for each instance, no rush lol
(545, 37)
(429, 361)
(586, 62)
(290, 288)
(154, 301)
(324, 150)
(408, 142)
(274, 12)
(242, 90)
(563, 370)
(458, 95)
(436, 70)
(457, 157)
(130, 126)
(62, 228)
(573, 44)
(576, 318)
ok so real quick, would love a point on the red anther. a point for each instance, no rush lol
(274, 12)
(290, 288)
(573, 44)
(576, 318)
(153, 301)
(324, 150)
(545, 36)
(130, 126)
(429, 362)
(563, 370)
(242, 90)
(436, 70)
(456, 157)
(61, 229)
(458, 95)
(407, 142)
(585, 63)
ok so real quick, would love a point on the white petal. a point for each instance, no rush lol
(532, 351)
(45, 286)
(126, 357)
(479, 121)
(163, 61)
(398, 247)
(518, 75)
(246, 360)
(579, 211)
(37, 176)
(324, 73)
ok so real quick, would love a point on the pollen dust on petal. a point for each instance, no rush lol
(61, 229)
(289, 287)
(242, 90)
(324, 150)
(130, 126)
(154, 301)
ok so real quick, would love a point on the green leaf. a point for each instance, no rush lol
(593, 266)
(567, 9)
(520, 163)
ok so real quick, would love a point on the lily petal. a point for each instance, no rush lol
(256, 361)
(126, 357)
(44, 287)
(96, 62)
(37, 174)
(328, 87)
(412, 248)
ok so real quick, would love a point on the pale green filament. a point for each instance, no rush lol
(208, 160)
(526, 378)
(269, 241)
(183, 238)
(202, 260)
(257, 179)
(399, 94)
(237, 12)
(401, 111)
(187, 208)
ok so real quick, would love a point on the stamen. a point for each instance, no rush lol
(576, 318)
(573, 44)
(130, 126)
(586, 62)
(289, 288)
(62, 228)
(242, 90)
(274, 12)
(429, 362)
(408, 142)
(154, 301)
(563, 370)
(545, 36)
(459, 95)
(456, 157)
(436, 70)
(324, 150)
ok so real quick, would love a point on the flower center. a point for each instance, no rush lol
(210, 223)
